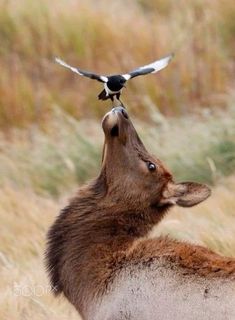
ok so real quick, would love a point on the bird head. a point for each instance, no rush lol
(122, 81)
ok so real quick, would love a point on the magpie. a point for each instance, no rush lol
(113, 84)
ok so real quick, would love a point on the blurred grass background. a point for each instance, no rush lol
(50, 134)
(67, 153)
(113, 37)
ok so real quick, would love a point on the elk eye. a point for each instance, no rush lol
(151, 166)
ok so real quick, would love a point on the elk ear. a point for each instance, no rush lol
(185, 194)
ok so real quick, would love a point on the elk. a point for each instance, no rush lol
(99, 254)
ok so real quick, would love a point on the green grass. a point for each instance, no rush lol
(49, 162)
(199, 148)
(68, 152)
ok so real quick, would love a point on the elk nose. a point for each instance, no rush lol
(120, 110)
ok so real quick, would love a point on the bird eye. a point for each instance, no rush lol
(151, 166)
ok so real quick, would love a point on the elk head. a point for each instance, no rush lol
(136, 178)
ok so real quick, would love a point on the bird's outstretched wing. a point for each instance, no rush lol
(150, 68)
(82, 72)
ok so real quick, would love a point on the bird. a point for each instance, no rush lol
(114, 84)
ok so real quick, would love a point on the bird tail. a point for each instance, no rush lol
(103, 96)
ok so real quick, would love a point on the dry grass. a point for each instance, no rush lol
(112, 37)
(25, 217)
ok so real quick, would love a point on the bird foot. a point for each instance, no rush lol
(117, 103)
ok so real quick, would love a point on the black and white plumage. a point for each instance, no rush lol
(113, 84)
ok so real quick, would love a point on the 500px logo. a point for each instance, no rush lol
(31, 290)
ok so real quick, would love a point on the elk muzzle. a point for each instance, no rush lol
(115, 123)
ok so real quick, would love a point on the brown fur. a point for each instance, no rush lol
(104, 228)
